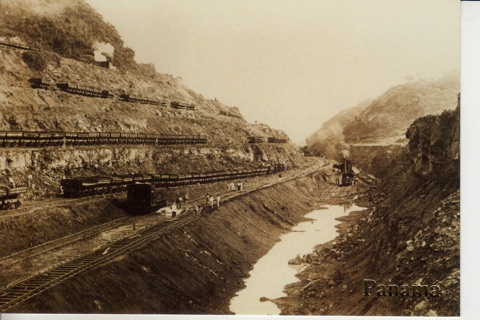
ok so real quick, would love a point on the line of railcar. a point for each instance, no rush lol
(87, 186)
(90, 91)
(43, 139)
(141, 99)
(277, 140)
(254, 139)
(181, 105)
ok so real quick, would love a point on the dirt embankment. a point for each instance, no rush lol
(412, 237)
(196, 269)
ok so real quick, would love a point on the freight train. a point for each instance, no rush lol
(83, 186)
(90, 91)
(43, 139)
(143, 198)
(347, 176)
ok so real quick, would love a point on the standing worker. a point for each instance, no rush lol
(211, 201)
(179, 202)
(207, 199)
(218, 201)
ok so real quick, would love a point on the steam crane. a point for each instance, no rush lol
(346, 171)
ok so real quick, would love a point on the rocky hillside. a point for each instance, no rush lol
(386, 119)
(66, 38)
(70, 28)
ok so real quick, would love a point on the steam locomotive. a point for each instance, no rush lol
(347, 176)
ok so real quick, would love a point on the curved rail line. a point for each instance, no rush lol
(29, 253)
(34, 285)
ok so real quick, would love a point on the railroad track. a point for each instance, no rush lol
(43, 248)
(34, 285)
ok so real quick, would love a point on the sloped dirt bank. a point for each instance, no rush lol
(196, 269)
(45, 223)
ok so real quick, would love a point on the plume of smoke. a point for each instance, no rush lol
(103, 51)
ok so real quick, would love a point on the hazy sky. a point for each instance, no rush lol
(292, 64)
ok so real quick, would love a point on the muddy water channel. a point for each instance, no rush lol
(272, 272)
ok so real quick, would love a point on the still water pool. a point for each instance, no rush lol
(272, 272)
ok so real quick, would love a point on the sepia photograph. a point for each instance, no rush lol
(230, 157)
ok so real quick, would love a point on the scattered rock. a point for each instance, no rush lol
(421, 306)
(296, 261)
(431, 313)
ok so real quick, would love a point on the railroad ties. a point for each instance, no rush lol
(22, 291)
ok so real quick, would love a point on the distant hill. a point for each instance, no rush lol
(386, 119)
(329, 138)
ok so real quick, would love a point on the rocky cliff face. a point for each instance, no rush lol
(434, 142)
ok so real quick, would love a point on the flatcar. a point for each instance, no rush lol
(253, 139)
(276, 140)
(140, 99)
(38, 83)
(87, 186)
(9, 196)
(181, 105)
(88, 91)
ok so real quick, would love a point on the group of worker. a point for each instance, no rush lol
(211, 201)
(231, 186)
